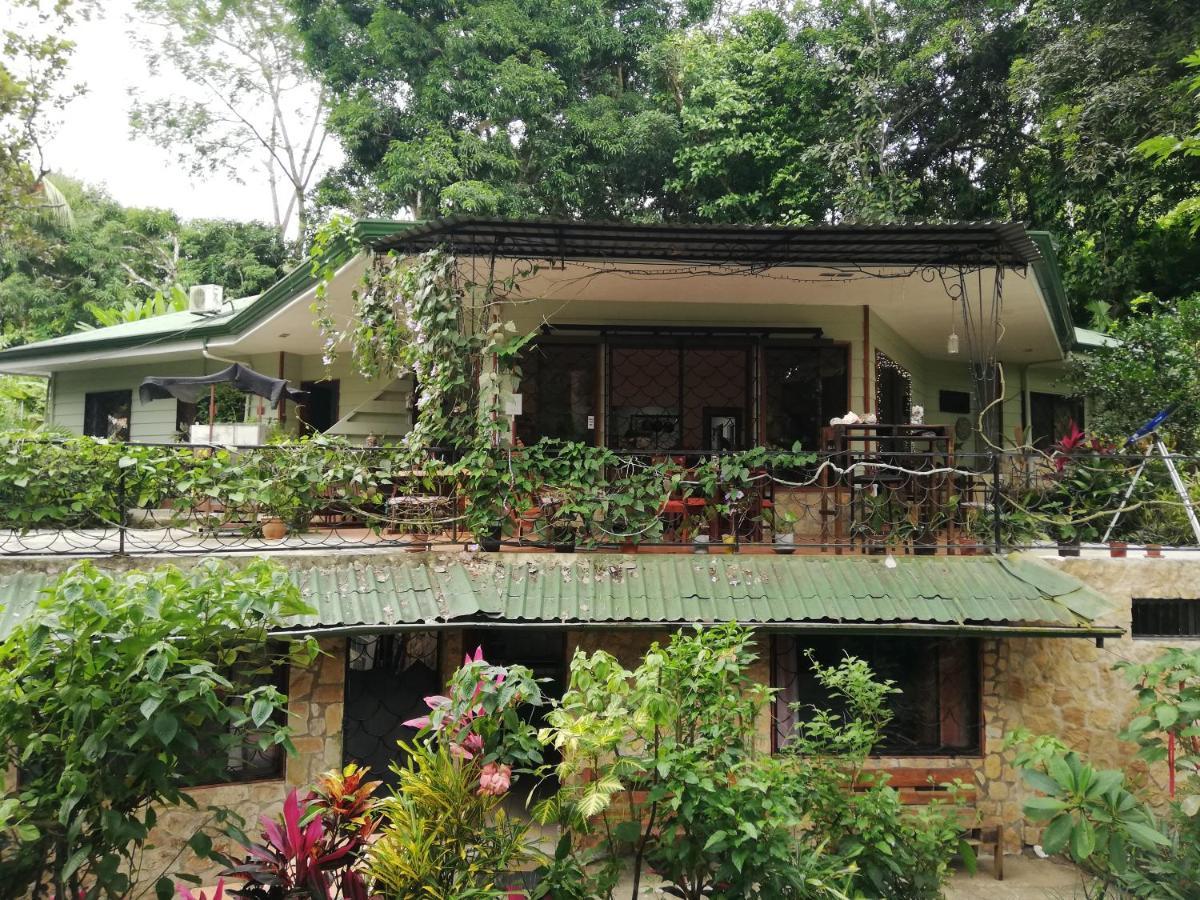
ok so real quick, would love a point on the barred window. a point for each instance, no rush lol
(1166, 618)
(937, 712)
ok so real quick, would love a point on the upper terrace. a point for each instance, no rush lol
(872, 489)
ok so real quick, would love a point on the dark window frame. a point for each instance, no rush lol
(956, 403)
(903, 647)
(93, 408)
(1060, 406)
(1165, 618)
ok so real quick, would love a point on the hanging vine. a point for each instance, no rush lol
(420, 315)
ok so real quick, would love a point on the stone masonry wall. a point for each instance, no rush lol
(1068, 687)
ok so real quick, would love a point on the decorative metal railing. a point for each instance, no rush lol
(90, 497)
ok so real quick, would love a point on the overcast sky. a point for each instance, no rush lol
(93, 141)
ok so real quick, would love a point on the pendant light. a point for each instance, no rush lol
(952, 338)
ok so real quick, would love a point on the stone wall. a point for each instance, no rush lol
(1068, 687)
(315, 715)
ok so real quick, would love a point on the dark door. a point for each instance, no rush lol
(387, 678)
(319, 412)
(893, 393)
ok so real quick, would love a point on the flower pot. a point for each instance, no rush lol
(567, 546)
(785, 544)
(418, 542)
(1154, 551)
(629, 547)
(274, 529)
(489, 540)
(700, 543)
(728, 544)
(967, 547)
(1117, 549)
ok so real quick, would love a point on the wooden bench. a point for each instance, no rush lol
(921, 787)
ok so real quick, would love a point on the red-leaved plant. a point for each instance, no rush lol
(313, 848)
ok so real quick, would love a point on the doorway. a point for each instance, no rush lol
(893, 391)
(319, 412)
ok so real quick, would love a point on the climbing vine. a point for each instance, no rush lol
(421, 315)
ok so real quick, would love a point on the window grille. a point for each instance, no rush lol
(1166, 618)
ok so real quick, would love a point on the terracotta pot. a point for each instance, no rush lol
(1117, 549)
(274, 529)
(967, 547)
(417, 543)
(629, 547)
(1154, 551)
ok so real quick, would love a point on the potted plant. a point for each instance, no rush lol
(874, 526)
(783, 526)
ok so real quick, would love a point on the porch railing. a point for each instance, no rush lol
(85, 497)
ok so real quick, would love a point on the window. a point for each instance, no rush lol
(805, 388)
(1173, 618)
(387, 678)
(558, 391)
(247, 761)
(106, 414)
(937, 711)
(1051, 416)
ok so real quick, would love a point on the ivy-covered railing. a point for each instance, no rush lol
(88, 496)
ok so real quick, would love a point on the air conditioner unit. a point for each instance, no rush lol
(205, 297)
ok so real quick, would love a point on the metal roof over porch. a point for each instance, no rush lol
(920, 244)
(969, 595)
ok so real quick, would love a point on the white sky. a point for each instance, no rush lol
(93, 142)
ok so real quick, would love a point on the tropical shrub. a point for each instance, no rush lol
(314, 849)
(896, 852)
(119, 692)
(445, 833)
(665, 764)
(1108, 825)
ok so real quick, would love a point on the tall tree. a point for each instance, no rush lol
(252, 96)
(1101, 77)
(119, 257)
(34, 54)
(513, 107)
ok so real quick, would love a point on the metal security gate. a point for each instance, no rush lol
(387, 678)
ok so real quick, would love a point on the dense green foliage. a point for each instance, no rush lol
(1156, 365)
(117, 695)
(665, 763)
(117, 257)
(836, 109)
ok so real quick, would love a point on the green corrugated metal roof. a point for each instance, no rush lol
(776, 590)
(174, 324)
(1086, 339)
(368, 592)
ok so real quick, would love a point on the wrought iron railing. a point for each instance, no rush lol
(85, 497)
